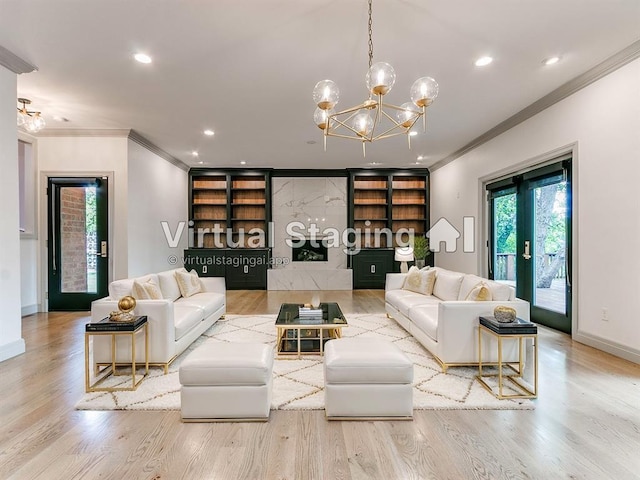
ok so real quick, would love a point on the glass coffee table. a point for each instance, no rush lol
(307, 330)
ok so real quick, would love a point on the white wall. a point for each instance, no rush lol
(87, 155)
(11, 341)
(603, 122)
(157, 193)
(29, 276)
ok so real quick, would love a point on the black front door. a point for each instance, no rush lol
(77, 248)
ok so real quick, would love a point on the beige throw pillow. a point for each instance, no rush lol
(188, 282)
(480, 293)
(420, 281)
(146, 290)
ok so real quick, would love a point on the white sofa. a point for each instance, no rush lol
(447, 325)
(174, 321)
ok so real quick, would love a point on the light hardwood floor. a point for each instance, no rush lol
(586, 424)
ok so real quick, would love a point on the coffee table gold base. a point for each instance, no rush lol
(325, 332)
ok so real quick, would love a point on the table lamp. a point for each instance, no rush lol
(404, 255)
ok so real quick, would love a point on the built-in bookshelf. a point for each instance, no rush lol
(233, 203)
(388, 200)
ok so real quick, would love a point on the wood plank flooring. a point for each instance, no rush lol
(586, 424)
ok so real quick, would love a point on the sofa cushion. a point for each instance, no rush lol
(425, 317)
(501, 292)
(480, 293)
(185, 317)
(403, 300)
(468, 283)
(447, 285)
(420, 281)
(169, 284)
(120, 288)
(188, 282)
(207, 301)
(146, 288)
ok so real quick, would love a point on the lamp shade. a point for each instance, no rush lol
(404, 254)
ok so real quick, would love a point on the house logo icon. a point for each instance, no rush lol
(444, 232)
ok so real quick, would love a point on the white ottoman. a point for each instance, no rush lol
(224, 381)
(367, 378)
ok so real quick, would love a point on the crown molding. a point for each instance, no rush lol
(142, 141)
(83, 132)
(15, 63)
(611, 64)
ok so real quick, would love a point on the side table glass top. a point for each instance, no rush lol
(331, 315)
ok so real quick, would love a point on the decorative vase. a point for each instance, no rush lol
(504, 314)
(420, 263)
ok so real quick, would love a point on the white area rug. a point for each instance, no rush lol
(299, 383)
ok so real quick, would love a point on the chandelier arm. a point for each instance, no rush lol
(349, 110)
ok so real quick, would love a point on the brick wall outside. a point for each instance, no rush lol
(73, 239)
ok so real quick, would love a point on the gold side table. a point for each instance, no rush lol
(137, 325)
(518, 330)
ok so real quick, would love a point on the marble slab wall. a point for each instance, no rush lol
(321, 201)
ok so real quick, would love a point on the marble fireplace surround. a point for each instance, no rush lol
(309, 200)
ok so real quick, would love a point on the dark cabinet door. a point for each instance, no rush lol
(206, 262)
(370, 268)
(246, 269)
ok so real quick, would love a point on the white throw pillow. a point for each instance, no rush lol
(501, 292)
(148, 290)
(420, 281)
(480, 293)
(447, 286)
(189, 282)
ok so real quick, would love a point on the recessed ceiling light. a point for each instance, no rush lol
(420, 157)
(201, 162)
(142, 58)
(311, 142)
(194, 153)
(209, 133)
(58, 118)
(551, 60)
(375, 163)
(413, 133)
(243, 163)
(483, 61)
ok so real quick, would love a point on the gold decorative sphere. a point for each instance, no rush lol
(126, 304)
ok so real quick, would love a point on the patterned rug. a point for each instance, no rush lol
(298, 383)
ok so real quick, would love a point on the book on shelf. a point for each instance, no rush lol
(518, 326)
(107, 325)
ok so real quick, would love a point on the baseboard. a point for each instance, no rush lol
(608, 346)
(12, 349)
(29, 309)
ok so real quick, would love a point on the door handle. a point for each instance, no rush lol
(103, 250)
(373, 269)
(527, 245)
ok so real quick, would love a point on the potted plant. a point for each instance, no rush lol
(420, 250)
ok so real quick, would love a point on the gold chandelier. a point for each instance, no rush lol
(373, 119)
(31, 121)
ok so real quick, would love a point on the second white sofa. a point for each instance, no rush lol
(175, 321)
(445, 321)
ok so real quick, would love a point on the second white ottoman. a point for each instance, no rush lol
(367, 378)
(223, 381)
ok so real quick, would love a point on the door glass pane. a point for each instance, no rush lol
(78, 240)
(550, 220)
(504, 241)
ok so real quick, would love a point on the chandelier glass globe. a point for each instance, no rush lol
(326, 94)
(424, 91)
(408, 115)
(35, 123)
(320, 117)
(363, 124)
(380, 78)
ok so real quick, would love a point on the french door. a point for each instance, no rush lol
(530, 240)
(77, 250)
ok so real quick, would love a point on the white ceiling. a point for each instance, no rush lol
(246, 69)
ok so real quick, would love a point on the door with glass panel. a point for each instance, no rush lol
(530, 240)
(77, 248)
